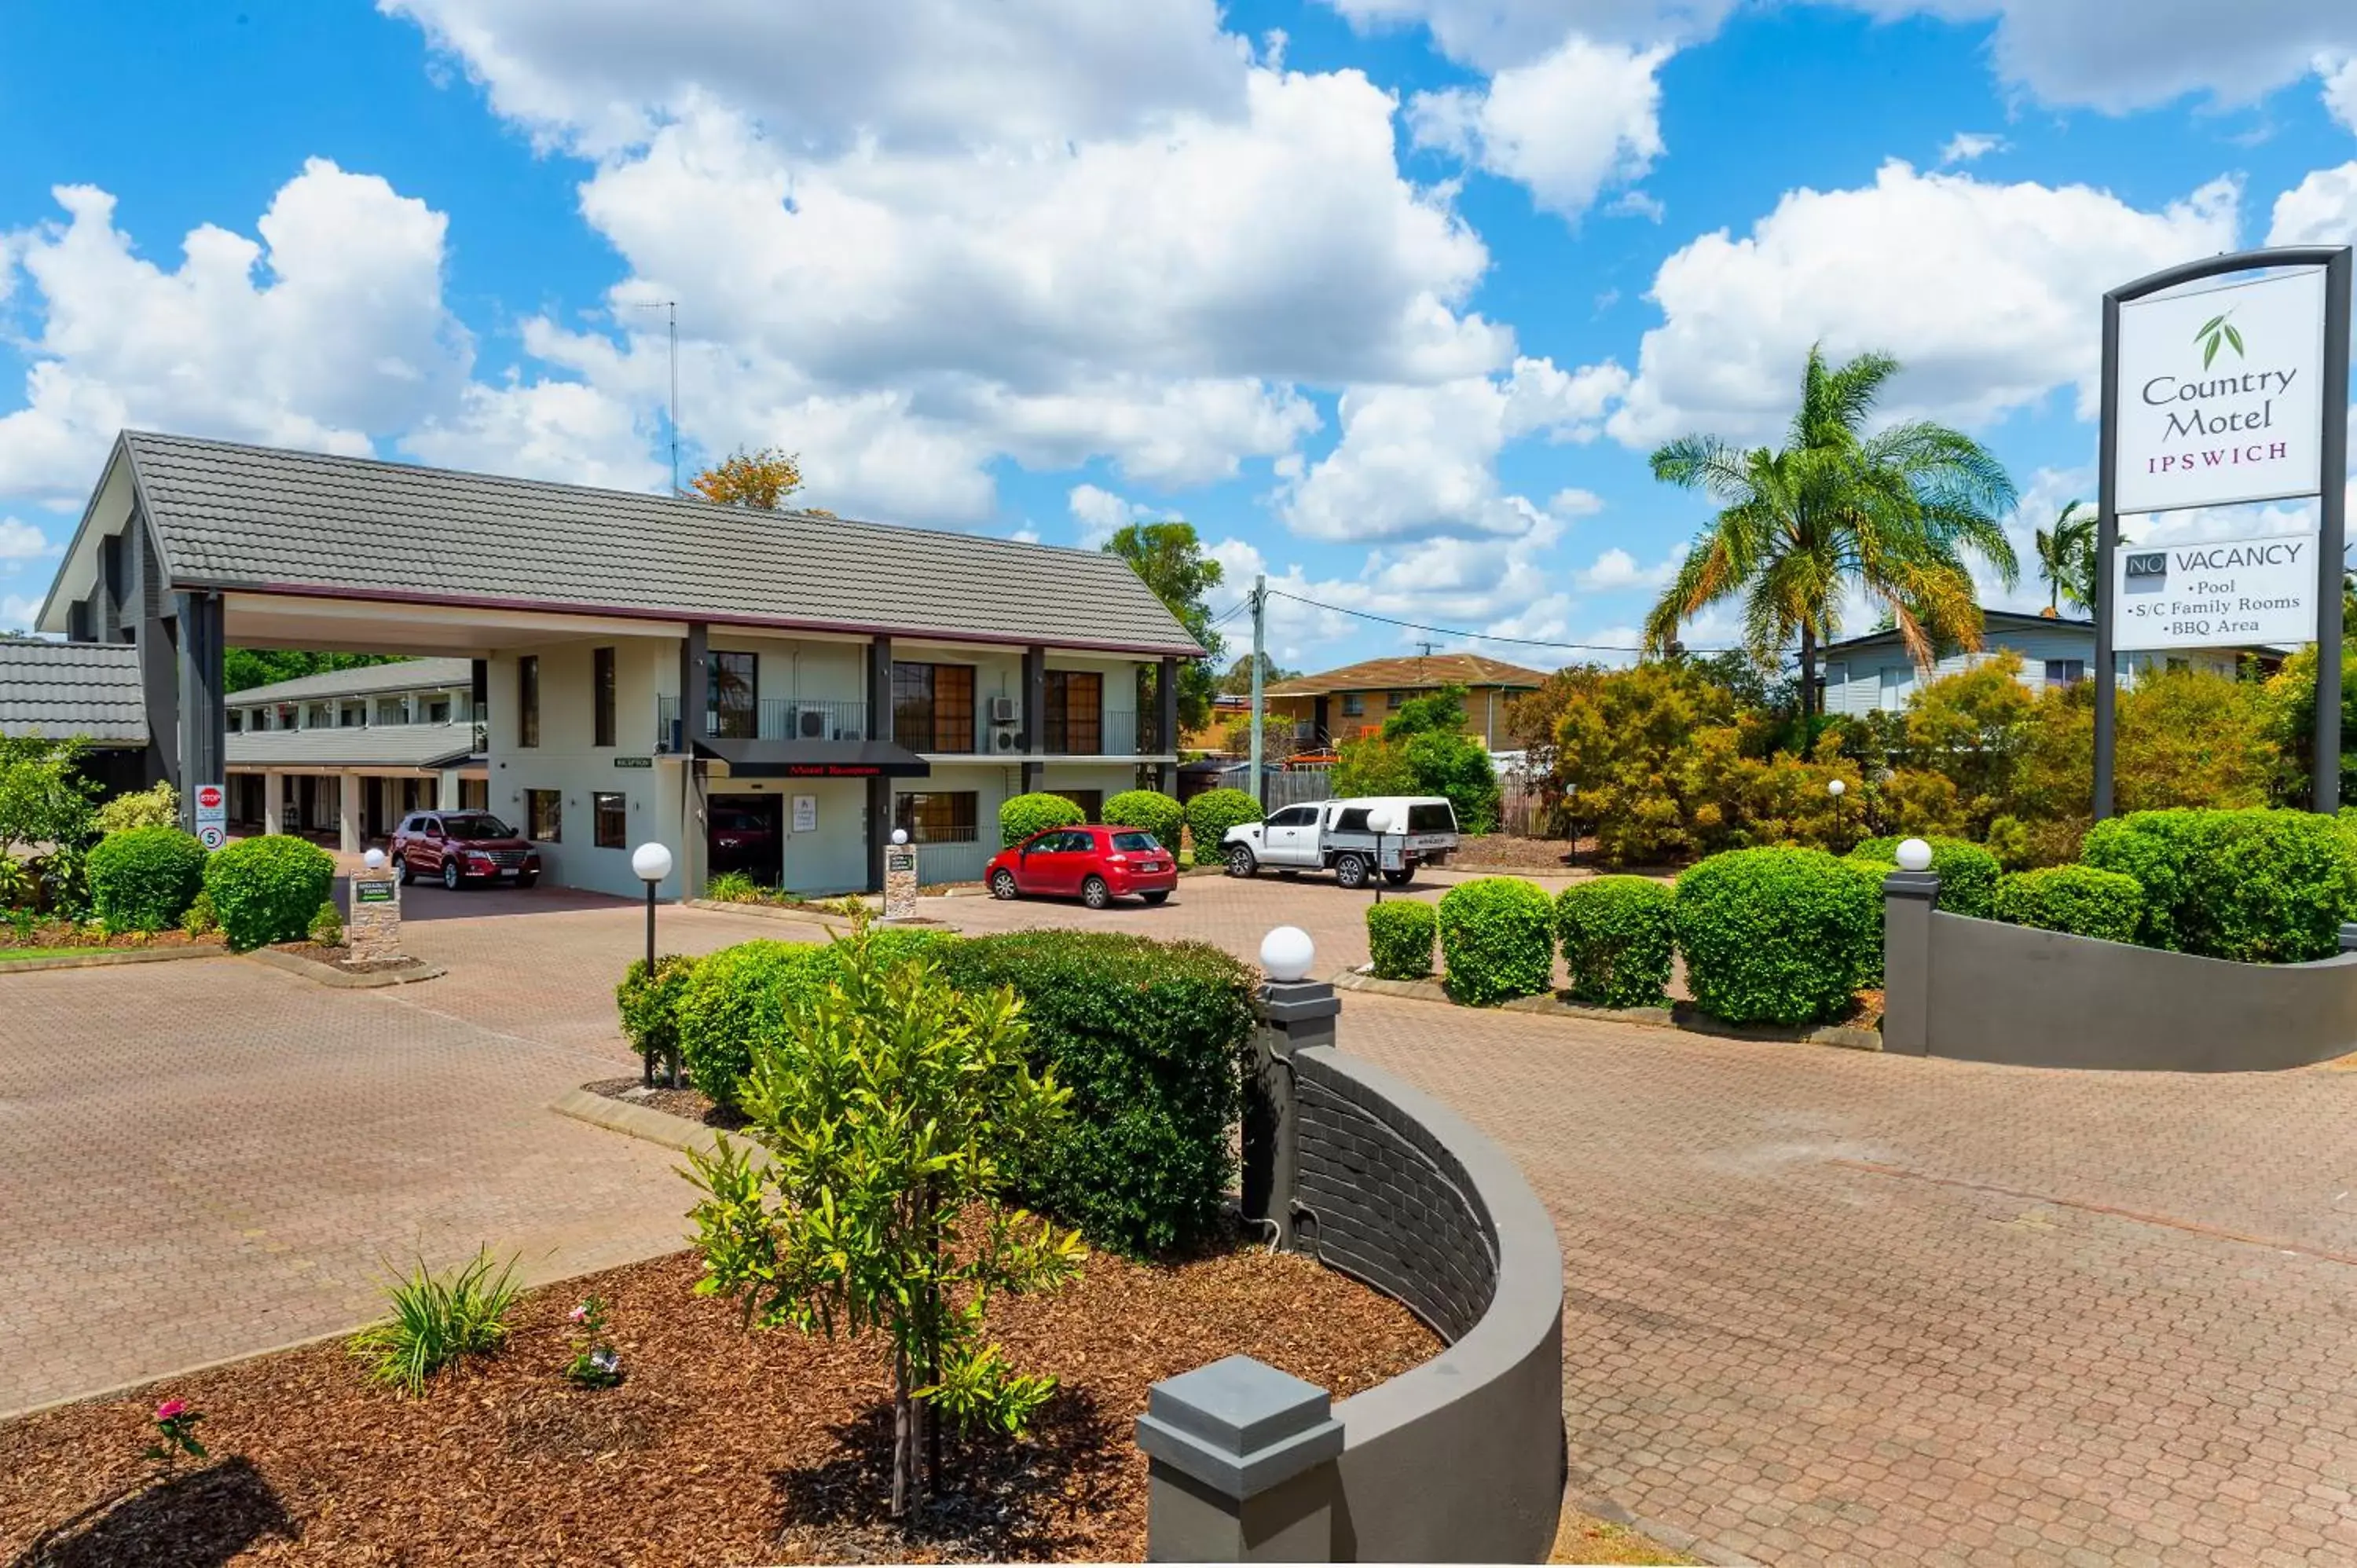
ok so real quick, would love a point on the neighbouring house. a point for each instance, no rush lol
(1334, 705)
(1873, 673)
(783, 689)
(353, 751)
(62, 690)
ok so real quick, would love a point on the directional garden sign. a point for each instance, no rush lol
(2226, 383)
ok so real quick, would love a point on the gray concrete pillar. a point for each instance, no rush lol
(1907, 901)
(1294, 1015)
(1035, 706)
(348, 812)
(203, 740)
(879, 727)
(446, 790)
(1241, 1466)
(1165, 710)
(273, 801)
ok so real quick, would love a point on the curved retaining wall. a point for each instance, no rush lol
(1982, 991)
(1462, 1458)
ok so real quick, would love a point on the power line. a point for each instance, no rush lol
(1476, 636)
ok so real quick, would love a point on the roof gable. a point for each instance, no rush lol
(1410, 672)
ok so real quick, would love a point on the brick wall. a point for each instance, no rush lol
(1387, 1202)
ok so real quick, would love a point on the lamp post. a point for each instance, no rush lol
(1833, 787)
(652, 864)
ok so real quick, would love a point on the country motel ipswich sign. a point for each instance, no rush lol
(2222, 396)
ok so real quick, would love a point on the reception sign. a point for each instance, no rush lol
(2221, 395)
(2215, 593)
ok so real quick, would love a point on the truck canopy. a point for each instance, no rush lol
(1392, 814)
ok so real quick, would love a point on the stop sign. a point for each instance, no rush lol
(209, 796)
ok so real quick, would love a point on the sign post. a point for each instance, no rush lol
(212, 815)
(2220, 397)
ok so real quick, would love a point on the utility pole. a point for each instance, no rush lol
(671, 308)
(1260, 641)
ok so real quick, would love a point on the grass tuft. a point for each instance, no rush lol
(435, 1321)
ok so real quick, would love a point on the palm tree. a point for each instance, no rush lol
(2066, 559)
(1892, 513)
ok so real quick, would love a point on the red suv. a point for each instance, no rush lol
(460, 847)
(1097, 865)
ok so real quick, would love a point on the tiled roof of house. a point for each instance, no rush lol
(259, 519)
(356, 745)
(1411, 672)
(62, 689)
(404, 675)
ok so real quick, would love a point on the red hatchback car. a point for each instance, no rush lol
(1095, 865)
(459, 847)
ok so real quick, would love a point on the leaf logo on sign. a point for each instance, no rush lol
(2215, 331)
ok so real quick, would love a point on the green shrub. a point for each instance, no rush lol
(327, 925)
(1151, 810)
(1024, 815)
(1399, 939)
(1618, 937)
(157, 808)
(267, 889)
(743, 996)
(1211, 814)
(1966, 871)
(2079, 899)
(1148, 1036)
(200, 920)
(2252, 886)
(732, 887)
(144, 879)
(651, 1012)
(1497, 936)
(436, 1320)
(1775, 936)
(1869, 941)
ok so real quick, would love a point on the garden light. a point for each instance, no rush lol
(652, 863)
(1913, 854)
(373, 859)
(1287, 952)
(1834, 787)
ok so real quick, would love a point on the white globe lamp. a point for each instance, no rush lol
(373, 859)
(1914, 854)
(899, 835)
(1834, 787)
(1287, 953)
(650, 863)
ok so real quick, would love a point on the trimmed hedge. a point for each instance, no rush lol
(1618, 937)
(1776, 935)
(650, 1011)
(1024, 815)
(267, 889)
(745, 995)
(1151, 810)
(1967, 872)
(1399, 939)
(1211, 814)
(144, 879)
(2078, 899)
(1497, 934)
(1150, 1038)
(2254, 885)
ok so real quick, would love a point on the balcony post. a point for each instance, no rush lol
(1035, 714)
(1166, 722)
(879, 727)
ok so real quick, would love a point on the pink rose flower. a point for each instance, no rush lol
(171, 1409)
(579, 1313)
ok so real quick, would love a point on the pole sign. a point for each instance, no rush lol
(2221, 395)
(212, 815)
(2214, 593)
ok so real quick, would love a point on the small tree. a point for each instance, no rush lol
(892, 1117)
(43, 798)
(761, 480)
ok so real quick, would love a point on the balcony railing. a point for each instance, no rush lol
(1112, 735)
(772, 718)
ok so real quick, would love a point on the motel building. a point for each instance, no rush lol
(841, 678)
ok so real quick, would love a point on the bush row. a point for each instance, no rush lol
(1147, 1035)
(2257, 886)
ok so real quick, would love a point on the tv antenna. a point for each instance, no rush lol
(670, 309)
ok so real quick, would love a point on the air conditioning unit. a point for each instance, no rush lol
(813, 724)
(1002, 710)
(1006, 739)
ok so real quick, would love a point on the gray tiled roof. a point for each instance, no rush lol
(231, 516)
(60, 689)
(359, 745)
(407, 675)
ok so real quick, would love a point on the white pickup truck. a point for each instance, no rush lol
(1393, 835)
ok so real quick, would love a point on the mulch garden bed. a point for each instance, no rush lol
(721, 1446)
(65, 934)
(341, 957)
(692, 1103)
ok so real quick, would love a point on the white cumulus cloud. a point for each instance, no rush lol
(21, 542)
(1579, 118)
(2321, 209)
(1966, 146)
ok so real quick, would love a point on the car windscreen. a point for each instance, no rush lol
(738, 821)
(1134, 841)
(1431, 817)
(478, 827)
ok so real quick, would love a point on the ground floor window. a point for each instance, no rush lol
(939, 817)
(611, 812)
(544, 813)
(475, 794)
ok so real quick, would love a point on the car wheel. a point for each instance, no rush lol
(528, 878)
(1002, 885)
(452, 877)
(1096, 894)
(1350, 871)
(1402, 877)
(1241, 861)
(400, 869)
(1158, 897)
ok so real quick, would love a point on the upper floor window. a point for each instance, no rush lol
(1354, 703)
(352, 715)
(601, 686)
(437, 710)
(236, 720)
(735, 694)
(528, 700)
(933, 706)
(2065, 672)
(1075, 717)
(393, 710)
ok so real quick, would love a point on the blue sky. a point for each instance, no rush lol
(1390, 297)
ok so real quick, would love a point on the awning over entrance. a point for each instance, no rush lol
(814, 758)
